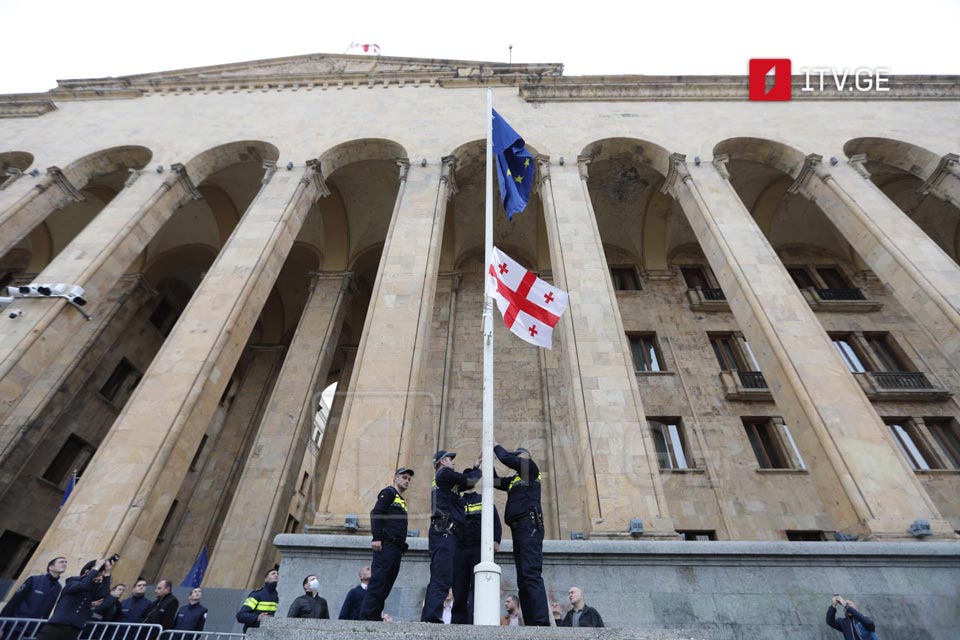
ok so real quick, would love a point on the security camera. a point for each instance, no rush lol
(15, 313)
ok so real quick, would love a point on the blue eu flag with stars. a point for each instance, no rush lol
(195, 577)
(515, 167)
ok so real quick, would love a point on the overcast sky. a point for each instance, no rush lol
(60, 39)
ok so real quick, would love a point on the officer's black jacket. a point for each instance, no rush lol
(846, 624)
(262, 600)
(445, 495)
(307, 606)
(163, 611)
(389, 517)
(108, 611)
(191, 617)
(134, 608)
(523, 488)
(34, 599)
(473, 511)
(352, 603)
(74, 606)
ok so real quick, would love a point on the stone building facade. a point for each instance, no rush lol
(763, 339)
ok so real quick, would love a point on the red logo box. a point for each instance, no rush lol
(759, 70)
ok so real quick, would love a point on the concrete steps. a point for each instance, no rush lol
(290, 629)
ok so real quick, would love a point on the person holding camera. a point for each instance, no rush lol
(76, 601)
(851, 623)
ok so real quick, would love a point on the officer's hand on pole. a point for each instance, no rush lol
(377, 545)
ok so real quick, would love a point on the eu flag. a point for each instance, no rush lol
(195, 577)
(514, 166)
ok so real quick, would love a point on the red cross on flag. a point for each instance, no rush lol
(530, 307)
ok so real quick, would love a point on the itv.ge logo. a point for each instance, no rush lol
(770, 79)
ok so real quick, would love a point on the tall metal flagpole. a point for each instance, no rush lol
(486, 598)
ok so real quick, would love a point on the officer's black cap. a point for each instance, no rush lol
(440, 455)
(88, 567)
(403, 470)
(520, 450)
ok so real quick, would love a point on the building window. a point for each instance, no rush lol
(832, 278)
(911, 443)
(801, 277)
(15, 552)
(304, 482)
(646, 354)
(196, 456)
(730, 356)
(697, 535)
(947, 435)
(624, 279)
(121, 383)
(886, 352)
(164, 528)
(74, 455)
(695, 277)
(851, 357)
(292, 525)
(672, 450)
(773, 444)
(805, 536)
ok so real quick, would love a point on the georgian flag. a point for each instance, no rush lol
(530, 307)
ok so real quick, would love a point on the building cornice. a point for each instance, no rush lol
(535, 82)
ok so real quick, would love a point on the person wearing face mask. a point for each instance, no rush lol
(310, 604)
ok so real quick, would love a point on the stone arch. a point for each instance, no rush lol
(625, 177)
(900, 169)
(293, 284)
(215, 159)
(41, 248)
(904, 156)
(80, 172)
(186, 263)
(643, 151)
(778, 155)
(16, 160)
(222, 207)
(361, 150)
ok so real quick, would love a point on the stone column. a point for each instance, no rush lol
(131, 481)
(944, 182)
(865, 484)
(924, 279)
(96, 259)
(20, 212)
(617, 456)
(381, 399)
(454, 286)
(259, 508)
(222, 463)
(332, 428)
(54, 390)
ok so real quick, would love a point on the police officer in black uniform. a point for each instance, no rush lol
(468, 555)
(388, 522)
(447, 523)
(524, 516)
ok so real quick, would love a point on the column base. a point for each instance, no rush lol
(893, 530)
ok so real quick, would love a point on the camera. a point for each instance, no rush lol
(114, 558)
(15, 313)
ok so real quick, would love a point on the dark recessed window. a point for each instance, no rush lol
(697, 535)
(121, 383)
(646, 354)
(199, 451)
(801, 277)
(624, 279)
(770, 450)
(947, 435)
(74, 455)
(671, 443)
(805, 536)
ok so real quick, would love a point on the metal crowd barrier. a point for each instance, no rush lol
(19, 628)
(27, 629)
(120, 631)
(200, 635)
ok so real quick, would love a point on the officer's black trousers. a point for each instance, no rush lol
(383, 573)
(467, 557)
(528, 557)
(58, 632)
(442, 551)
